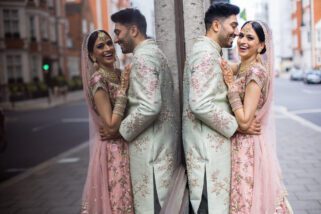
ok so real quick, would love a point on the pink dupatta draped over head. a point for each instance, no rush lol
(268, 190)
(96, 197)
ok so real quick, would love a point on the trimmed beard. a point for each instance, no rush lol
(128, 44)
(224, 41)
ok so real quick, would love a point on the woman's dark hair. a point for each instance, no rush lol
(259, 32)
(131, 16)
(218, 11)
(91, 42)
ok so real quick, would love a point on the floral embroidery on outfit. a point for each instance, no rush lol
(115, 153)
(242, 179)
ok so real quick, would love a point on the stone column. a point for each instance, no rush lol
(194, 11)
(177, 24)
(166, 35)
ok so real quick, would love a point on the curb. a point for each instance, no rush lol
(43, 165)
(283, 110)
(42, 103)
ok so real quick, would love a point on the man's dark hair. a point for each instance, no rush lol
(131, 16)
(219, 11)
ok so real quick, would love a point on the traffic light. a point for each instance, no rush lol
(46, 67)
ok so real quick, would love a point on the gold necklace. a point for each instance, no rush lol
(245, 67)
(110, 75)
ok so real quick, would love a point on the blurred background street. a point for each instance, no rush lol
(44, 118)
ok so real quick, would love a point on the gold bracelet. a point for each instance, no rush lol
(120, 105)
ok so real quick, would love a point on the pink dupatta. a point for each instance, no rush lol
(268, 190)
(96, 197)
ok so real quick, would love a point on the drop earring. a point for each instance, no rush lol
(258, 56)
(96, 66)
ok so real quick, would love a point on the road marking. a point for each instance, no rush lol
(64, 120)
(75, 120)
(68, 160)
(13, 170)
(307, 111)
(77, 104)
(304, 122)
(39, 128)
(311, 91)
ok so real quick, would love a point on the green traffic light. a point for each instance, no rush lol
(45, 67)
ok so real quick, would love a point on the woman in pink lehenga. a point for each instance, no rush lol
(108, 185)
(256, 183)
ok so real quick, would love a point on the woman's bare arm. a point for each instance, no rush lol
(103, 105)
(245, 115)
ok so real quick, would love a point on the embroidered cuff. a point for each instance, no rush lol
(235, 100)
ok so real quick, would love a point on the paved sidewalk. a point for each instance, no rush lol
(41, 103)
(55, 187)
(299, 152)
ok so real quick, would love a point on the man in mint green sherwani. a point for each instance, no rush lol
(208, 122)
(151, 125)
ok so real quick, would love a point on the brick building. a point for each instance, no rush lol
(306, 31)
(32, 32)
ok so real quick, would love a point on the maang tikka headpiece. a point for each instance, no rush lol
(102, 36)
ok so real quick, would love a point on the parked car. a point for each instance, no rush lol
(296, 74)
(312, 76)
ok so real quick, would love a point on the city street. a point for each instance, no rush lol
(303, 100)
(38, 135)
(55, 185)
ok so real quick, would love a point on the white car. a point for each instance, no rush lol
(313, 76)
(296, 74)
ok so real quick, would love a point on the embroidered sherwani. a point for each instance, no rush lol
(151, 126)
(207, 126)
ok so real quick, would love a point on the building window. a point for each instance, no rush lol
(53, 36)
(295, 41)
(50, 3)
(32, 28)
(69, 42)
(11, 23)
(73, 66)
(44, 30)
(319, 35)
(294, 23)
(305, 3)
(294, 6)
(34, 67)
(43, 2)
(51, 6)
(14, 68)
(84, 26)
